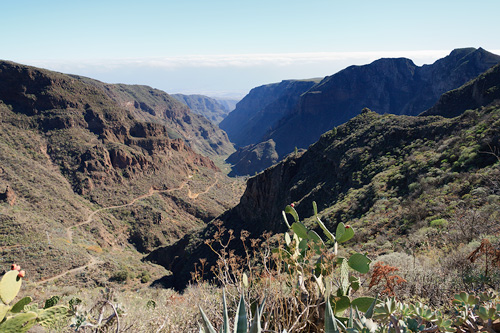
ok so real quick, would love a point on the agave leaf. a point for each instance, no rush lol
(330, 321)
(208, 328)
(256, 325)
(225, 317)
(240, 319)
(358, 315)
(290, 210)
(369, 312)
(261, 307)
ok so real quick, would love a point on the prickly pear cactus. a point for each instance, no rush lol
(19, 306)
(10, 286)
(3, 311)
(21, 322)
(19, 317)
(51, 302)
(47, 317)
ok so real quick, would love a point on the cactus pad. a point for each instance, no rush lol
(51, 315)
(3, 311)
(19, 323)
(9, 286)
(19, 306)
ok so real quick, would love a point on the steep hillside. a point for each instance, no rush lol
(395, 86)
(205, 106)
(481, 91)
(388, 176)
(156, 106)
(228, 104)
(261, 109)
(89, 184)
(253, 158)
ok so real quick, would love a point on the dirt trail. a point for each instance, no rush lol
(95, 261)
(69, 232)
(195, 195)
(92, 261)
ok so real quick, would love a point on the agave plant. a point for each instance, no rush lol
(240, 322)
(357, 322)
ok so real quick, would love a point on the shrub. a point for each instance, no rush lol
(145, 277)
(439, 223)
(120, 276)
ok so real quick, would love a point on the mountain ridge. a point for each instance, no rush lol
(387, 85)
(210, 108)
(261, 108)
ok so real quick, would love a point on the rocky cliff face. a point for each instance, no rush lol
(395, 86)
(153, 105)
(253, 158)
(228, 104)
(257, 113)
(482, 91)
(205, 106)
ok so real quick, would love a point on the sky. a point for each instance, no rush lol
(225, 48)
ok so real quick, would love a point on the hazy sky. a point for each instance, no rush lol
(229, 46)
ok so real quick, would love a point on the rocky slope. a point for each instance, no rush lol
(227, 103)
(205, 106)
(386, 175)
(395, 86)
(256, 114)
(99, 172)
(253, 158)
(156, 106)
(482, 91)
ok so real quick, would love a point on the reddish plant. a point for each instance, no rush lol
(382, 275)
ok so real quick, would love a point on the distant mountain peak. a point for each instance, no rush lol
(387, 85)
(205, 106)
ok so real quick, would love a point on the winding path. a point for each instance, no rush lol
(69, 232)
(93, 260)
(195, 195)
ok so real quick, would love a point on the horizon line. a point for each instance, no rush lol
(236, 60)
